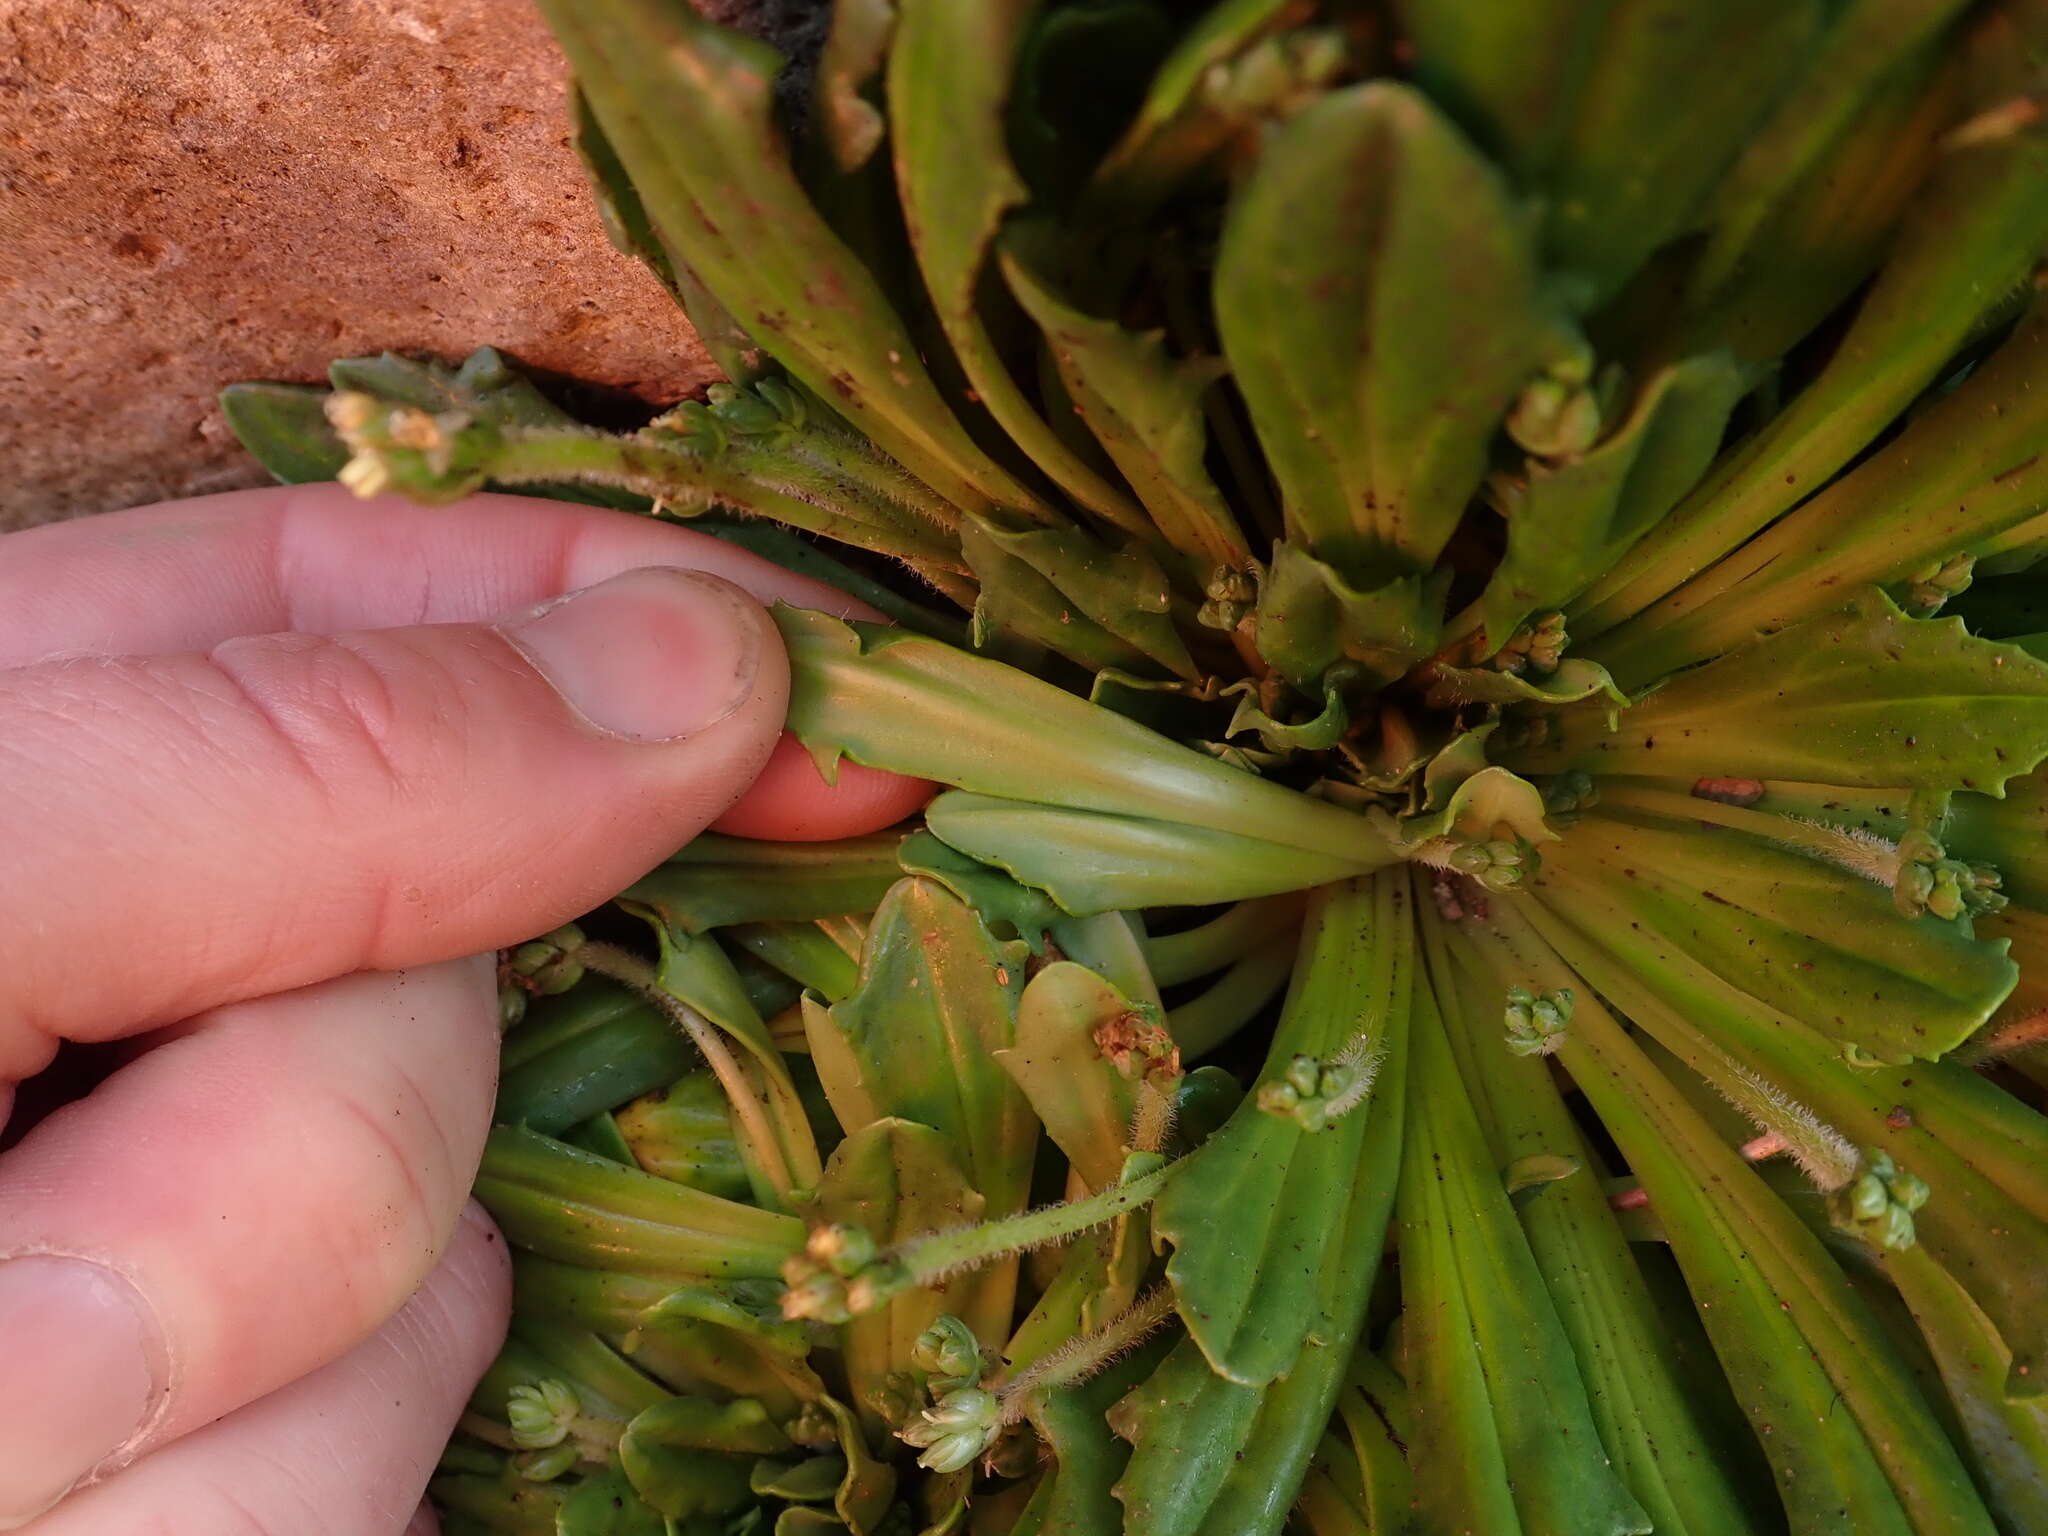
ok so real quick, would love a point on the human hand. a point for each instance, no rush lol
(278, 770)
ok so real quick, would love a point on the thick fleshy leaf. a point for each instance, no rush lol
(863, 1500)
(1510, 72)
(1867, 50)
(1863, 696)
(581, 1053)
(689, 108)
(607, 1385)
(1642, 1388)
(285, 427)
(1186, 118)
(851, 64)
(1852, 1443)
(1794, 233)
(914, 705)
(2010, 834)
(1965, 470)
(1570, 682)
(1146, 411)
(1001, 901)
(811, 1481)
(1067, 590)
(1970, 235)
(2005, 1439)
(1490, 803)
(805, 953)
(1822, 945)
(896, 1179)
(689, 1456)
(937, 998)
(606, 1504)
(631, 233)
(950, 69)
(1188, 953)
(1310, 617)
(1058, 1060)
(1376, 410)
(715, 1342)
(572, 1205)
(1504, 1433)
(1074, 1498)
(1214, 1457)
(1247, 1287)
(472, 1505)
(1576, 99)
(1088, 862)
(775, 1136)
(1975, 1145)
(1359, 1482)
(683, 1132)
(1630, 173)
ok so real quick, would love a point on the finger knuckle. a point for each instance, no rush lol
(333, 708)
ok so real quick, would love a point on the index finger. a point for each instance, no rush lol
(186, 575)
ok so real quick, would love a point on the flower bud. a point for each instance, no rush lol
(783, 399)
(845, 1250)
(1536, 1022)
(813, 1292)
(549, 964)
(1936, 584)
(1555, 419)
(874, 1287)
(1880, 1201)
(956, 1429)
(541, 1414)
(434, 459)
(739, 411)
(511, 1006)
(948, 1349)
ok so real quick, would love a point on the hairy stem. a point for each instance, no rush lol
(630, 970)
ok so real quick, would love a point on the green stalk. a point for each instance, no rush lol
(764, 484)
(1080, 1358)
(1220, 942)
(757, 1130)
(929, 1260)
(1233, 1000)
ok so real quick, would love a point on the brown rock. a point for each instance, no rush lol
(198, 191)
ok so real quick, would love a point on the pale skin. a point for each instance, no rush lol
(279, 771)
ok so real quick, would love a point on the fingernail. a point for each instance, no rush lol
(650, 655)
(76, 1376)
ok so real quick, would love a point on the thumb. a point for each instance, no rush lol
(190, 830)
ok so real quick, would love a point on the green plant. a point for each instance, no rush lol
(1475, 967)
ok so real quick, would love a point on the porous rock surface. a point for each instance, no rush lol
(198, 191)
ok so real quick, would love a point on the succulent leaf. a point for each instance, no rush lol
(1247, 1292)
(1377, 448)
(1861, 696)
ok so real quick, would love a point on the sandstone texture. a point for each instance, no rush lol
(198, 191)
